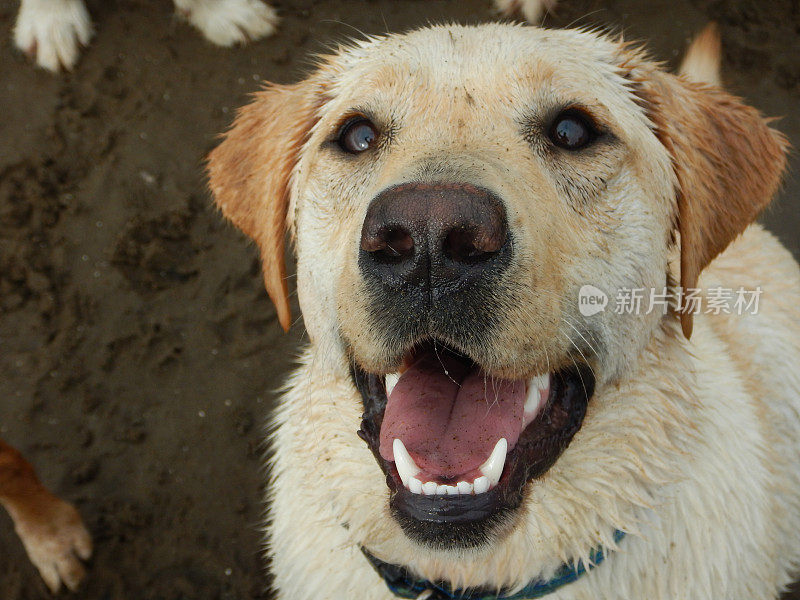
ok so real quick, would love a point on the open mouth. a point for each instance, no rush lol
(458, 446)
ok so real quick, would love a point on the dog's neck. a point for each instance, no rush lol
(404, 584)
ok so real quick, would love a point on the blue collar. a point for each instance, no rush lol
(404, 585)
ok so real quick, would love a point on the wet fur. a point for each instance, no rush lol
(691, 443)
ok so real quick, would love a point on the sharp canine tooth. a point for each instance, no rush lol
(406, 467)
(493, 468)
(532, 400)
(535, 387)
(481, 484)
(391, 381)
(465, 488)
(429, 488)
(542, 381)
(415, 485)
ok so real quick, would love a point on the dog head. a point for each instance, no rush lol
(450, 192)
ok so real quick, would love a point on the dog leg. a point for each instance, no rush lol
(51, 32)
(50, 529)
(229, 22)
(532, 10)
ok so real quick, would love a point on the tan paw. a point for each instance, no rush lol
(55, 539)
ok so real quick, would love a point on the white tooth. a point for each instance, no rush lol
(464, 488)
(406, 467)
(532, 400)
(451, 490)
(429, 488)
(391, 381)
(481, 484)
(441, 490)
(541, 381)
(415, 485)
(493, 468)
(535, 387)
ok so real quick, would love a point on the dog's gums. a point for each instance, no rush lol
(458, 447)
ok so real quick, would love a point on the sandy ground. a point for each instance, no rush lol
(138, 351)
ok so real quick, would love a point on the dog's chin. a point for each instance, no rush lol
(462, 510)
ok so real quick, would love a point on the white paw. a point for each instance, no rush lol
(52, 31)
(229, 22)
(55, 539)
(532, 10)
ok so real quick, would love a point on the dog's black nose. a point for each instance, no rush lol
(433, 237)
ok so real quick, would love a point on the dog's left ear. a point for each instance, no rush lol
(727, 161)
(250, 172)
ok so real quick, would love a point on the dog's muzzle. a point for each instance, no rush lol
(457, 443)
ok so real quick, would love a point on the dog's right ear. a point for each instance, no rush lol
(250, 175)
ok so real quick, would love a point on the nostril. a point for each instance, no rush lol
(471, 244)
(399, 242)
(389, 245)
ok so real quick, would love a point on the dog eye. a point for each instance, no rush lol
(572, 130)
(357, 135)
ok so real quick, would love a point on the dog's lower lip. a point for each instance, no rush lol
(467, 519)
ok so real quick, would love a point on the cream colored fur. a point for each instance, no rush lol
(695, 453)
(691, 446)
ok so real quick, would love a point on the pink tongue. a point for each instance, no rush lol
(450, 421)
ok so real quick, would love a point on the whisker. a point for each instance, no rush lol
(439, 358)
(353, 27)
(585, 16)
(588, 343)
(583, 384)
(572, 358)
